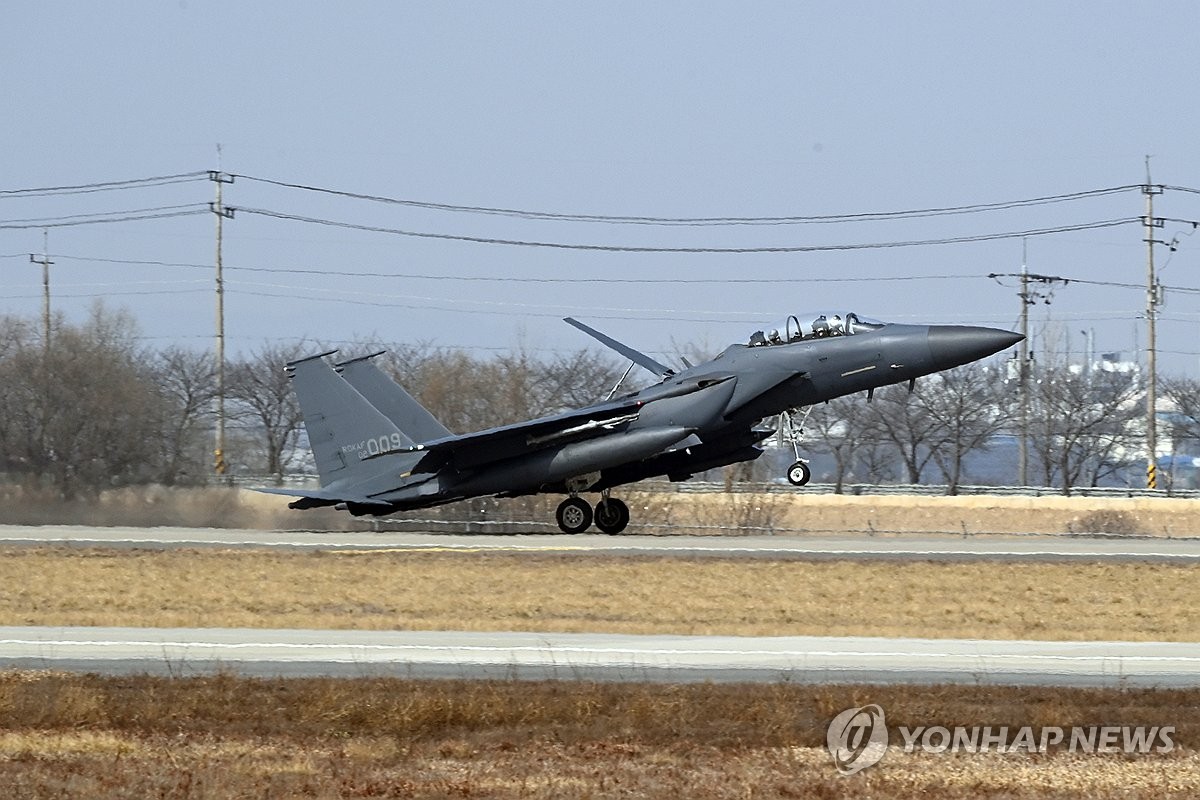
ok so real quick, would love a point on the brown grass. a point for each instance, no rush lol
(224, 736)
(430, 591)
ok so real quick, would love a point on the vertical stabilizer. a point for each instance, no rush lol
(344, 430)
(391, 399)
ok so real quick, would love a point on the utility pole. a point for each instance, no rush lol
(220, 178)
(1153, 299)
(45, 262)
(1023, 374)
(1028, 298)
(1089, 353)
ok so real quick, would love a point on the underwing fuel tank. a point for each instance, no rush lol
(578, 458)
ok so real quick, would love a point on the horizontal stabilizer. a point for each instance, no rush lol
(292, 364)
(367, 357)
(327, 497)
(637, 357)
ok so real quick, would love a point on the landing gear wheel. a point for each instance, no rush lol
(612, 515)
(574, 515)
(798, 474)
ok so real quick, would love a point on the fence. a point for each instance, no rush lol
(708, 508)
(928, 490)
(855, 489)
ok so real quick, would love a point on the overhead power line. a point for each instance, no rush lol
(872, 216)
(106, 186)
(104, 217)
(557, 307)
(450, 304)
(516, 279)
(120, 293)
(134, 261)
(799, 279)
(1085, 281)
(651, 281)
(726, 250)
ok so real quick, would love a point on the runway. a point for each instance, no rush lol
(605, 657)
(612, 657)
(859, 546)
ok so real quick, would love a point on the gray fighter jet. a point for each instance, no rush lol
(378, 451)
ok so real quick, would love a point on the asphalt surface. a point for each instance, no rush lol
(607, 657)
(920, 547)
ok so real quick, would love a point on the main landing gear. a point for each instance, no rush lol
(612, 515)
(575, 515)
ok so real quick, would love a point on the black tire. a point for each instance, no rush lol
(612, 515)
(574, 515)
(799, 474)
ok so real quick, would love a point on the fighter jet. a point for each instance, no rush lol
(378, 451)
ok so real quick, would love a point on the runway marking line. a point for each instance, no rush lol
(619, 549)
(550, 649)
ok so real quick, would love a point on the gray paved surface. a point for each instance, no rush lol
(855, 546)
(445, 654)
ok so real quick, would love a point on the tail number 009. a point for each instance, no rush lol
(382, 444)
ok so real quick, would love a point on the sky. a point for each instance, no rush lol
(665, 110)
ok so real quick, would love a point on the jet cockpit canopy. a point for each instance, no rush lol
(816, 325)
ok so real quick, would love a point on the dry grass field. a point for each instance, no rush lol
(431, 591)
(72, 736)
(225, 737)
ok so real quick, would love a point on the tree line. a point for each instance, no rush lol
(1083, 427)
(97, 407)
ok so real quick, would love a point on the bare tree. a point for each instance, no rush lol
(877, 460)
(463, 392)
(1183, 423)
(969, 409)
(906, 425)
(186, 380)
(468, 393)
(1082, 429)
(16, 339)
(81, 416)
(15, 333)
(1184, 394)
(514, 380)
(837, 428)
(264, 402)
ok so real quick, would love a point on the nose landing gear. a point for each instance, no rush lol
(799, 473)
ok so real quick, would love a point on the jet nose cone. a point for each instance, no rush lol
(954, 345)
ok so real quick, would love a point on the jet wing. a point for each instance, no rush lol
(473, 449)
